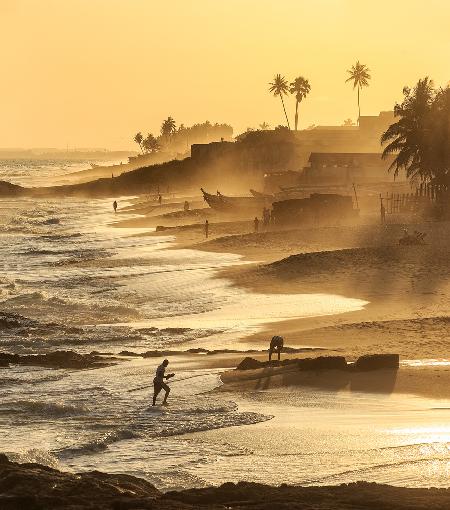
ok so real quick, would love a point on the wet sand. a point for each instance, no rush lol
(407, 288)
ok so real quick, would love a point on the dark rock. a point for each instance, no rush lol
(249, 364)
(323, 363)
(159, 354)
(6, 358)
(29, 486)
(376, 362)
(56, 359)
(128, 353)
(198, 350)
(36, 487)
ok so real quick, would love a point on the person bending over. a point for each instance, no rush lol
(158, 382)
(276, 345)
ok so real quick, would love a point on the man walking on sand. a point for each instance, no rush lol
(206, 229)
(115, 205)
(256, 223)
(159, 384)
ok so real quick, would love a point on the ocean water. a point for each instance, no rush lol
(70, 280)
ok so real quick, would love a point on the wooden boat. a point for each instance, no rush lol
(225, 203)
(258, 194)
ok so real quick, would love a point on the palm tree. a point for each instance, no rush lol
(439, 139)
(412, 137)
(168, 127)
(264, 126)
(359, 75)
(138, 138)
(300, 87)
(280, 87)
(151, 144)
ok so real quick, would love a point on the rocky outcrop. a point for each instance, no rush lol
(36, 487)
(376, 362)
(250, 364)
(364, 363)
(323, 363)
(56, 359)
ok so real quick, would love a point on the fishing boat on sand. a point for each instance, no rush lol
(222, 202)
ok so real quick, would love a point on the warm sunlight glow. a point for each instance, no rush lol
(92, 73)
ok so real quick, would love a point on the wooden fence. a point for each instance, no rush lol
(424, 196)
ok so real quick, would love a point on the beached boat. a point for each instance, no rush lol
(222, 202)
(258, 194)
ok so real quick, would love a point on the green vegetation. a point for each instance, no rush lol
(359, 75)
(179, 140)
(138, 138)
(280, 87)
(300, 87)
(420, 139)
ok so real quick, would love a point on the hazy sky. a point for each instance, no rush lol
(94, 72)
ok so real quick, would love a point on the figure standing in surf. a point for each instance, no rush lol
(159, 384)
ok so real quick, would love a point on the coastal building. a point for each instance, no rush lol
(334, 168)
(281, 150)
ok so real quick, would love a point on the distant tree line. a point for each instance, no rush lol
(173, 139)
(420, 139)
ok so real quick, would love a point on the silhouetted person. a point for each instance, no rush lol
(186, 205)
(160, 199)
(256, 223)
(276, 345)
(115, 206)
(265, 217)
(158, 382)
(383, 213)
(206, 229)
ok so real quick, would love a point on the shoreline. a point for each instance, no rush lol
(338, 260)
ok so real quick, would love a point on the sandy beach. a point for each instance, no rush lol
(406, 288)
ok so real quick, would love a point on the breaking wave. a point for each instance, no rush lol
(52, 409)
(98, 445)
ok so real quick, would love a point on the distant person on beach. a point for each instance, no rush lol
(160, 199)
(266, 217)
(276, 345)
(115, 206)
(206, 229)
(256, 223)
(383, 213)
(186, 205)
(159, 384)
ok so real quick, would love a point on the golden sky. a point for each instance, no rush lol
(94, 72)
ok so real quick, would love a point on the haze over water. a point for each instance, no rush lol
(71, 280)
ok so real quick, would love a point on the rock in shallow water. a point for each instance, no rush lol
(56, 359)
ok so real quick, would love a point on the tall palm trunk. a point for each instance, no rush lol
(296, 115)
(287, 120)
(359, 108)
